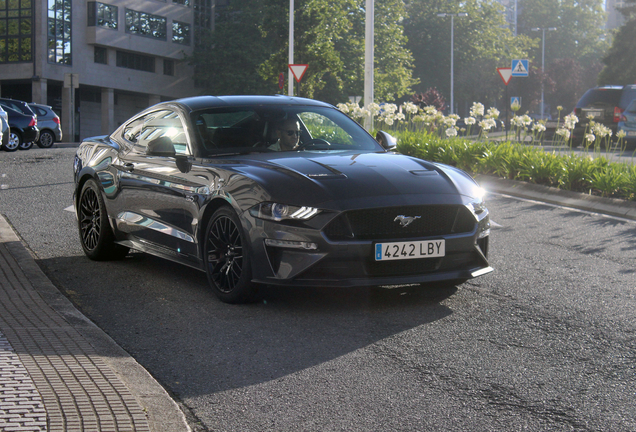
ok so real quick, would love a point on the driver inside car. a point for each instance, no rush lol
(288, 133)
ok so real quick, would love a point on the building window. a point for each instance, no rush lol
(101, 55)
(102, 15)
(168, 67)
(59, 32)
(135, 61)
(182, 2)
(145, 24)
(16, 31)
(180, 33)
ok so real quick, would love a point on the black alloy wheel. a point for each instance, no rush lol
(227, 260)
(46, 139)
(95, 233)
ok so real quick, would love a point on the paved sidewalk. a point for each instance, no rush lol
(60, 372)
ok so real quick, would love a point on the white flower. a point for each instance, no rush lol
(430, 110)
(410, 107)
(526, 120)
(451, 132)
(477, 110)
(373, 108)
(590, 137)
(450, 121)
(487, 124)
(493, 113)
(343, 107)
(470, 120)
(538, 127)
(400, 117)
(569, 121)
(621, 134)
(564, 132)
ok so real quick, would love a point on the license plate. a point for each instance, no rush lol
(409, 250)
(595, 114)
(631, 133)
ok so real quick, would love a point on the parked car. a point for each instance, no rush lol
(5, 129)
(628, 125)
(23, 135)
(603, 105)
(6, 132)
(49, 125)
(196, 181)
(23, 130)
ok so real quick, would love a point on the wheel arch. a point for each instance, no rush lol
(210, 209)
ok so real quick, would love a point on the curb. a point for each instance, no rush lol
(609, 206)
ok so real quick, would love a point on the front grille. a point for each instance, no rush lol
(380, 224)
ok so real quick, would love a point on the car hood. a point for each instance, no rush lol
(389, 178)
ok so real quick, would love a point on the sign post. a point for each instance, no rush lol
(506, 75)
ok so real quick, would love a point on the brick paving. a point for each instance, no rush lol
(21, 406)
(52, 379)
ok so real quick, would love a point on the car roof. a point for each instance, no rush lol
(200, 102)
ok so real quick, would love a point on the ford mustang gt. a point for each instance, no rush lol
(208, 182)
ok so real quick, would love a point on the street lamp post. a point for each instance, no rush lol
(543, 29)
(452, 83)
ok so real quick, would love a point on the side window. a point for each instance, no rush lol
(321, 127)
(158, 124)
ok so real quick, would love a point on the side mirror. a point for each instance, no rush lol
(183, 163)
(386, 140)
(161, 146)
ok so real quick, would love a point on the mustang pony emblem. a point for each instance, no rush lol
(405, 220)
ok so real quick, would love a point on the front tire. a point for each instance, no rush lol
(46, 139)
(227, 258)
(96, 236)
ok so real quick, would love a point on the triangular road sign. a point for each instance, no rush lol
(298, 70)
(505, 74)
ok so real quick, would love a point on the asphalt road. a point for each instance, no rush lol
(545, 343)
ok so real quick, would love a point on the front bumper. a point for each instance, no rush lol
(352, 263)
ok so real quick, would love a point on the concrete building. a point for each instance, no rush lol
(98, 63)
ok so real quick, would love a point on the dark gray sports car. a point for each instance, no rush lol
(279, 191)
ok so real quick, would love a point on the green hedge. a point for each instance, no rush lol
(515, 161)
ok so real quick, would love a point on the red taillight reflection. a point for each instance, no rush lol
(56, 120)
(617, 114)
(34, 121)
(623, 118)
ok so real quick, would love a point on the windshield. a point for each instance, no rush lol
(238, 130)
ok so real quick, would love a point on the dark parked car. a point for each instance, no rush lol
(196, 181)
(604, 105)
(24, 130)
(21, 134)
(628, 125)
(49, 125)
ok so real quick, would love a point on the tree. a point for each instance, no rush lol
(249, 49)
(481, 45)
(620, 61)
(329, 36)
(572, 52)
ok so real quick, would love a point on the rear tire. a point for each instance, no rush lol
(96, 236)
(46, 139)
(227, 258)
(25, 145)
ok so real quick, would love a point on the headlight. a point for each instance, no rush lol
(278, 212)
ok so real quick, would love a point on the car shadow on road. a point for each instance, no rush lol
(165, 315)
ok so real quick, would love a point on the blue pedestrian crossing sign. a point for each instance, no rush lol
(519, 68)
(515, 102)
